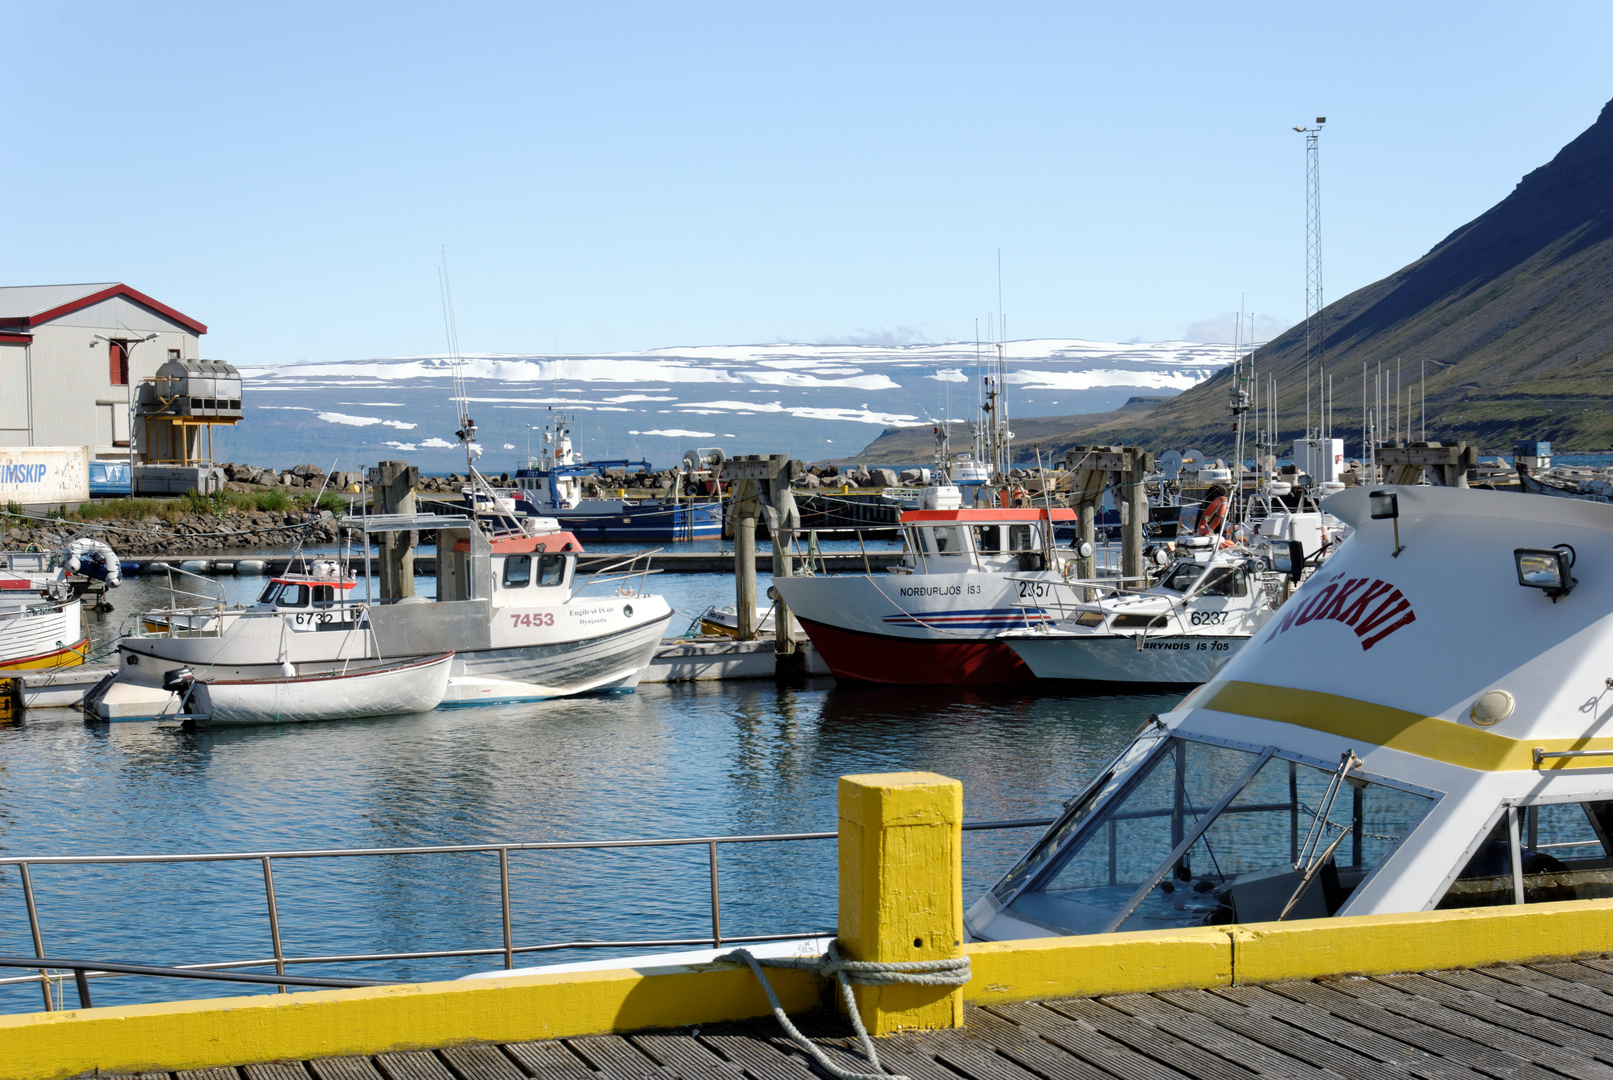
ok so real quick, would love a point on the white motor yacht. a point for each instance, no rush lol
(1427, 723)
(1206, 606)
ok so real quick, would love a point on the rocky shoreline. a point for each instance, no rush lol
(189, 534)
(217, 527)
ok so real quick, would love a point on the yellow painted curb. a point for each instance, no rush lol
(1128, 963)
(1420, 941)
(235, 1031)
(330, 1023)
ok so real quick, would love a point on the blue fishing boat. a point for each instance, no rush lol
(551, 486)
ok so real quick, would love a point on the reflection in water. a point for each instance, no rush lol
(684, 760)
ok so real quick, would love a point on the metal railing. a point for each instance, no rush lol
(619, 571)
(508, 949)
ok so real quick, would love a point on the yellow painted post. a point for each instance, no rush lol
(901, 890)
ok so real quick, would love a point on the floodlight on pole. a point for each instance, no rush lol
(1314, 352)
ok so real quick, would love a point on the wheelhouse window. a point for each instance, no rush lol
(944, 540)
(1023, 538)
(517, 571)
(324, 595)
(988, 538)
(1537, 854)
(1225, 581)
(1204, 834)
(293, 594)
(1182, 576)
(551, 570)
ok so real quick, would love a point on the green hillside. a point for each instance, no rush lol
(1512, 313)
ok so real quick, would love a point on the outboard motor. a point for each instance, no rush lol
(178, 680)
(181, 681)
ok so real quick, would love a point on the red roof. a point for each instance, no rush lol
(515, 545)
(986, 514)
(35, 318)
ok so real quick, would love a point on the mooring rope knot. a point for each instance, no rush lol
(953, 972)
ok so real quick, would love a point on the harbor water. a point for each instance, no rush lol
(683, 760)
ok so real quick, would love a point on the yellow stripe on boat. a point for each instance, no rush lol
(72, 656)
(1409, 732)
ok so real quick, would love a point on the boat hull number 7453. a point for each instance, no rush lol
(542, 618)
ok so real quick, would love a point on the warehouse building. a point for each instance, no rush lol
(73, 359)
(111, 370)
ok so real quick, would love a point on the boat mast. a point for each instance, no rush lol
(466, 432)
(1238, 405)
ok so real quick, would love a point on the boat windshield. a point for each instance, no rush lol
(1203, 834)
(1181, 577)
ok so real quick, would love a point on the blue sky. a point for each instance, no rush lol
(619, 176)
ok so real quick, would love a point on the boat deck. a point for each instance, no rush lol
(1532, 1022)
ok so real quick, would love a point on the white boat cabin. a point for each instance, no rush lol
(983, 540)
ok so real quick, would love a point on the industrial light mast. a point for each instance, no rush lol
(1313, 273)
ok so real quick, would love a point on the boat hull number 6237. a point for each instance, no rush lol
(1208, 618)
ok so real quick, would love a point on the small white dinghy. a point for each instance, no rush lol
(377, 689)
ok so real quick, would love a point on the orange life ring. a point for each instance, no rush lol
(1214, 516)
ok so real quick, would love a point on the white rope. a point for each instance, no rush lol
(954, 972)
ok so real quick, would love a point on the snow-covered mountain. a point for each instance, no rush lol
(809, 401)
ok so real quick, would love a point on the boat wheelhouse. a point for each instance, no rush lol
(1426, 723)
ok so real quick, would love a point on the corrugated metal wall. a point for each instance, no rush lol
(74, 399)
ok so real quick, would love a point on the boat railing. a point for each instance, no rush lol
(51, 974)
(192, 601)
(627, 574)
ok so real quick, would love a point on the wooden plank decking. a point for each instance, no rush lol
(1536, 1022)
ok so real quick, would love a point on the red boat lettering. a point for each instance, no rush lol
(545, 618)
(1348, 602)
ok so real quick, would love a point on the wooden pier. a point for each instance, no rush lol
(1551, 1021)
(670, 562)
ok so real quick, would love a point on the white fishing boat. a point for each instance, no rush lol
(40, 631)
(967, 575)
(523, 622)
(1206, 606)
(41, 614)
(1423, 725)
(358, 691)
